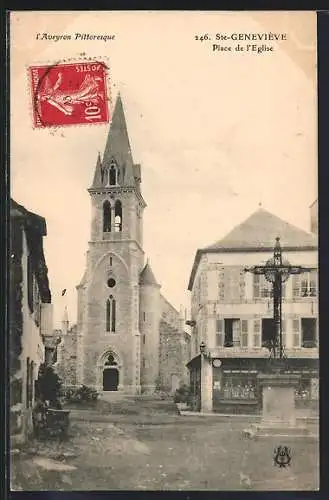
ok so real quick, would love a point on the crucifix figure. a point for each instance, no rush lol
(277, 271)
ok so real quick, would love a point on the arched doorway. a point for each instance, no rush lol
(110, 374)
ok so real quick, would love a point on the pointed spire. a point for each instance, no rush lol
(65, 322)
(147, 277)
(118, 145)
(98, 172)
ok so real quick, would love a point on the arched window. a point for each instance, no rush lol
(110, 360)
(113, 174)
(118, 216)
(106, 217)
(110, 314)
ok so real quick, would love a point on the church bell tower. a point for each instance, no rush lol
(108, 295)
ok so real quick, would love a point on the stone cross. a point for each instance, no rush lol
(277, 271)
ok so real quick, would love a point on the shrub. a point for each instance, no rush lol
(83, 394)
(182, 394)
(48, 386)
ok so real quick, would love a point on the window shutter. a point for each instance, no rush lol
(313, 283)
(296, 332)
(296, 285)
(242, 285)
(256, 286)
(219, 332)
(256, 339)
(221, 284)
(283, 289)
(284, 333)
(304, 284)
(244, 333)
(227, 285)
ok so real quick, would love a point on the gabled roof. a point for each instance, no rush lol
(147, 277)
(260, 231)
(256, 234)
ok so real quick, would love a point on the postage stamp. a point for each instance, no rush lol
(69, 94)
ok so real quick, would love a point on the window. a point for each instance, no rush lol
(219, 332)
(111, 283)
(308, 332)
(305, 284)
(110, 314)
(239, 387)
(110, 360)
(118, 216)
(268, 332)
(256, 337)
(303, 391)
(144, 339)
(263, 289)
(231, 284)
(113, 175)
(232, 332)
(144, 316)
(244, 333)
(106, 217)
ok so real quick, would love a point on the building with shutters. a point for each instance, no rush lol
(128, 337)
(232, 314)
(30, 315)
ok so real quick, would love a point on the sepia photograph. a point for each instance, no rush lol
(163, 276)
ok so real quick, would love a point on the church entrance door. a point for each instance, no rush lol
(110, 379)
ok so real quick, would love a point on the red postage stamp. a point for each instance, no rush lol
(69, 94)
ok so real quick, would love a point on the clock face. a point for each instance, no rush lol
(216, 363)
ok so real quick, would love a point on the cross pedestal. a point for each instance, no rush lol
(278, 388)
(279, 412)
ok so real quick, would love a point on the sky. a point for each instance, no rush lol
(216, 133)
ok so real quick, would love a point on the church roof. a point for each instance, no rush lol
(257, 233)
(147, 277)
(118, 149)
(98, 172)
(118, 145)
(260, 230)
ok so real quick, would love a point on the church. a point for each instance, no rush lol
(128, 337)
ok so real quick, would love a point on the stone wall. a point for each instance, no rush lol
(174, 352)
(66, 365)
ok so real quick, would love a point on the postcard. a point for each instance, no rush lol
(163, 251)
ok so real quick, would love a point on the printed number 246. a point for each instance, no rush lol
(201, 38)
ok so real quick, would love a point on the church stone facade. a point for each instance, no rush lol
(126, 333)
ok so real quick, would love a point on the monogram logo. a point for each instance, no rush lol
(282, 456)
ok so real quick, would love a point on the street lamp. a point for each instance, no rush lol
(203, 350)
